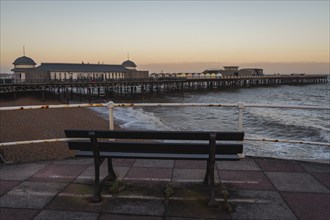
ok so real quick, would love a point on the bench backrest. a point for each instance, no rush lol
(157, 135)
(184, 143)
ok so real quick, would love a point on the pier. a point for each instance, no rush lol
(68, 90)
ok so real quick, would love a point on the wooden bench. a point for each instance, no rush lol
(177, 145)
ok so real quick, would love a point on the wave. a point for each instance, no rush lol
(325, 135)
(137, 118)
(134, 118)
(299, 123)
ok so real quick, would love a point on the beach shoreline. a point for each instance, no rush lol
(23, 125)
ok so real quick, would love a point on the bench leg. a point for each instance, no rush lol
(111, 172)
(212, 202)
(211, 163)
(97, 163)
(207, 174)
(97, 186)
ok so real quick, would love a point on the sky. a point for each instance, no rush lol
(170, 36)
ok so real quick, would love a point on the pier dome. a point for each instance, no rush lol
(24, 61)
(129, 65)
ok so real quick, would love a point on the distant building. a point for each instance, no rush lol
(235, 71)
(230, 71)
(206, 75)
(6, 75)
(231, 68)
(251, 72)
(6, 78)
(25, 70)
(21, 66)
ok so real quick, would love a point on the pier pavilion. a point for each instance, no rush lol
(25, 70)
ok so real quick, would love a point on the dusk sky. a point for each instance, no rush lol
(173, 36)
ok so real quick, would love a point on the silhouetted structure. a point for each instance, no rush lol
(25, 70)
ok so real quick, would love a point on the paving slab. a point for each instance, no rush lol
(245, 164)
(279, 165)
(20, 171)
(123, 162)
(296, 182)
(120, 166)
(190, 164)
(6, 185)
(323, 178)
(75, 203)
(143, 189)
(58, 173)
(316, 167)
(197, 191)
(83, 190)
(121, 172)
(188, 175)
(195, 195)
(17, 214)
(78, 189)
(309, 205)
(196, 208)
(154, 163)
(88, 175)
(131, 206)
(150, 174)
(65, 215)
(191, 175)
(255, 204)
(31, 195)
(75, 161)
(245, 180)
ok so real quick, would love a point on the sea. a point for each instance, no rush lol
(268, 123)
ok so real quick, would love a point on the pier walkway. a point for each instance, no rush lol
(253, 188)
(70, 90)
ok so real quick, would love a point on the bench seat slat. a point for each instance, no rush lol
(158, 156)
(157, 147)
(157, 135)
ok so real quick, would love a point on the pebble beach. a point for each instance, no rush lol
(23, 125)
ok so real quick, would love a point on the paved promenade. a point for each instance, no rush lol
(256, 188)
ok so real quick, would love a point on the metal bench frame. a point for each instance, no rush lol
(210, 152)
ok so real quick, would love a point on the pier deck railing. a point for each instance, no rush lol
(108, 89)
(111, 105)
(14, 81)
